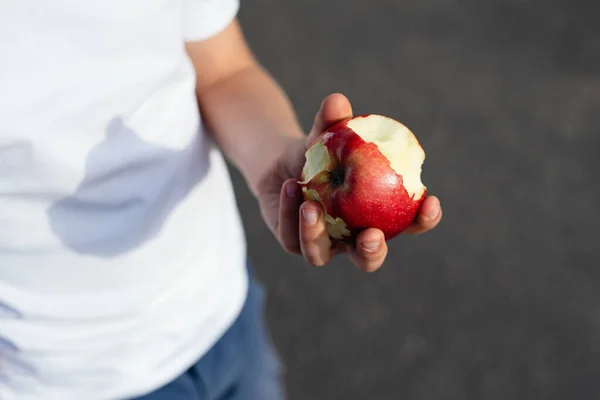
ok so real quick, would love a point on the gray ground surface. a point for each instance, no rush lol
(503, 300)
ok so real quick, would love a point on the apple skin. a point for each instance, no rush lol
(363, 190)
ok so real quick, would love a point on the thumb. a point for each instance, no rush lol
(334, 108)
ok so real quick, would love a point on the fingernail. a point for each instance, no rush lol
(291, 189)
(430, 217)
(434, 214)
(371, 245)
(310, 216)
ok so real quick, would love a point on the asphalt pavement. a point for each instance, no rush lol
(502, 301)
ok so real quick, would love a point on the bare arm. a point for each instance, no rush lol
(248, 114)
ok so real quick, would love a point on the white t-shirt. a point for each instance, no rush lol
(122, 254)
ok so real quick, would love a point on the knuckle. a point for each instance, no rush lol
(310, 233)
(372, 267)
(310, 236)
(374, 261)
(315, 256)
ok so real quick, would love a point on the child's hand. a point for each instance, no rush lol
(300, 225)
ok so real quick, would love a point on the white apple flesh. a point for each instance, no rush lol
(366, 172)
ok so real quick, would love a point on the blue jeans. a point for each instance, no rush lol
(242, 365)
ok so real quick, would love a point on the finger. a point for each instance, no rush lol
(288, 228)
(428, 216)
(334, 108)
(314, 239)
(371, 250)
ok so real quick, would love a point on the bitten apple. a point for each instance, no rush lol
(366, 172)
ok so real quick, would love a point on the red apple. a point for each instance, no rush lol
(366, 172)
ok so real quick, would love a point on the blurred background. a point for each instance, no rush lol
(502, 301)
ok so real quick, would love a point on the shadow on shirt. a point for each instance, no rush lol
(129, 189)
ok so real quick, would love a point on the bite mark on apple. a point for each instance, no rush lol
(396, 142)
(319, 161)
(321, 166)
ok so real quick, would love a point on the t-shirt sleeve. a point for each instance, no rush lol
(205, 18)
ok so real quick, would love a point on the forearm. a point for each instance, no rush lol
(251, 119)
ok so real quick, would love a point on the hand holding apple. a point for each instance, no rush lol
(368, 186)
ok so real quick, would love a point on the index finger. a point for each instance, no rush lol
(314, 239)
